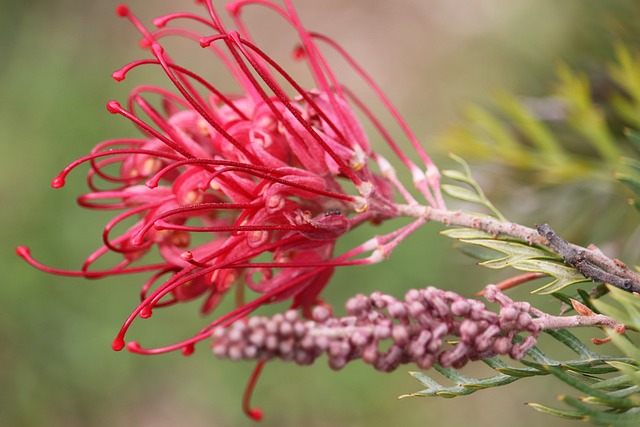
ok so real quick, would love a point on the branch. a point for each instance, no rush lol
(488, 224)
(591, 262)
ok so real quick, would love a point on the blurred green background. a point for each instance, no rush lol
(56, 364)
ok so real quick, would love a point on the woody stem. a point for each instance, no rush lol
(592, 263)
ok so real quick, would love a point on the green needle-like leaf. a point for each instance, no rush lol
(561, 413)
(625, 345)
(630, 418)
(631, 181)
(466, 233)
(631, 372)
(628, 311)
(578, 382)
(571, 341)
(503, 368)
(462, 193)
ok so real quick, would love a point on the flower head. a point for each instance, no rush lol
(249, 187)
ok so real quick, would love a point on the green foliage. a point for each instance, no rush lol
(625, 73)
(627, 311)
(586, 139)
(499, 252)
(629, 171)
(521, 256)
(609, 383)
(567, 136)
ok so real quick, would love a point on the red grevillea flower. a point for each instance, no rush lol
(271, 175)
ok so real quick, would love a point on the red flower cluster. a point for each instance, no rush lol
(252, 187)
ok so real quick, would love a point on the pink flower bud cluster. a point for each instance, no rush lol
(386, 332)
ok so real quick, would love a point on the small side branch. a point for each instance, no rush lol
(591, 262)
(543, 321)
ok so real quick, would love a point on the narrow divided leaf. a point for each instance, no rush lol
(561, 413)
(473, 192)
(630, 418)
(521, 256)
